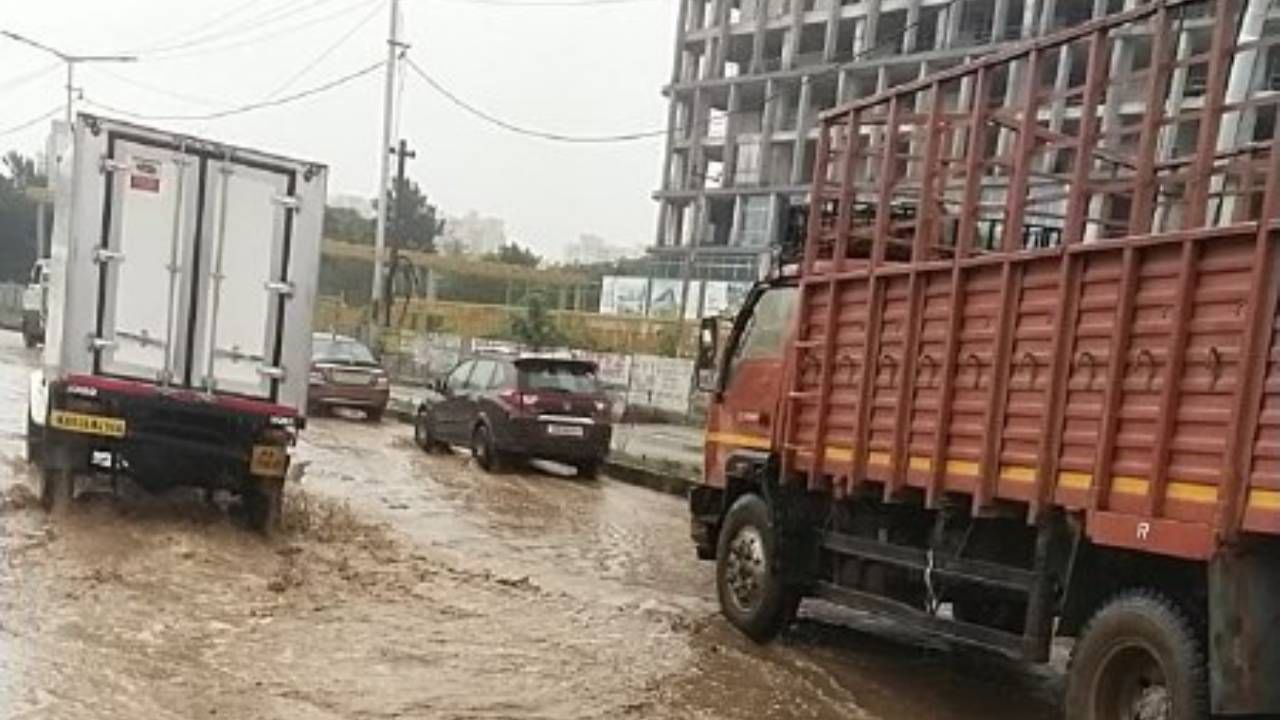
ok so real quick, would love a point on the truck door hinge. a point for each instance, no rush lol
(288, 202)
(103, 255)
(280, 288)
(109, 165)
(98, 344)
(275, 373)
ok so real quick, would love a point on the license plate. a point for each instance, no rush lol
(269, 461)
(87, 424)
(565, 430)
(344, 377)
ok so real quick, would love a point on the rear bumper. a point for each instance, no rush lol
(532, 437)
(352, 396)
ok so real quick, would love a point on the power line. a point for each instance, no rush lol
(271, 15)
(200, 30)
(23, 79)
(519, 130)
(33, 121)
(546, 3)
(324, 87)
(201, 50)
(327, 51)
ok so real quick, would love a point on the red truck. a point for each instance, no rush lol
(1021, 377)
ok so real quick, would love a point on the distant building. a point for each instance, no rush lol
(473, 234)
(591, 249)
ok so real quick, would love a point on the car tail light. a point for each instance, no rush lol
(517, 401)
(317, 377)
(602, 407)
(382, 382)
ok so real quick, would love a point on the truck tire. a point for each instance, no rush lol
(35, 442)
(1139, 657)
(752, 595)
(264, 504)
(56, 488)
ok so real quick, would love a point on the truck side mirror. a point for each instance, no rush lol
(708, 351)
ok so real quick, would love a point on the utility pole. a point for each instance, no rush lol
(402, 153)
(384, 172)
(71, 61)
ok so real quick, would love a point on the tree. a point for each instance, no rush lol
(512, 254)
(17, 216)
(535, 327)
(414, 222)
(348, 225)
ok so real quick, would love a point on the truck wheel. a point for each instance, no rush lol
(35, 442)
(482, 449)
(752, 596)
(264, 504)
(56, 489)
(1139, 658)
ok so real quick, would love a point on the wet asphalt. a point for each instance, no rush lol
(409, 585)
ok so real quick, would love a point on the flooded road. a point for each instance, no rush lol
(408, 585)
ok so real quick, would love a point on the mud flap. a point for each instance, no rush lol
(1244, 630)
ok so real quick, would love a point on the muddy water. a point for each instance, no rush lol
(411, 586)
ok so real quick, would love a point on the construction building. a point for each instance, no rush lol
(749, 79)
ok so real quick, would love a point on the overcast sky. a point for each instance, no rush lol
(576, 70)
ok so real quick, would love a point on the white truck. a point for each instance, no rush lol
(183, 275)
(35, 303)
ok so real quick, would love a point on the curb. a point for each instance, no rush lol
(673, 480)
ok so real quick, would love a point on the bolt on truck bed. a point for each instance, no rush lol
(183, 277)
(1032, 369)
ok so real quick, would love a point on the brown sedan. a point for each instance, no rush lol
(345, 374)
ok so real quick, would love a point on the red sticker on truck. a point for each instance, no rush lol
(145, 176)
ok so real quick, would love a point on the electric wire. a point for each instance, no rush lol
(258, 39)
(272, 15)
(20, 80)
(324, 54)
(33, 121)
(197, 30)
(262, 104)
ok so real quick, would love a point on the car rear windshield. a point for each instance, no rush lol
(570, 377)
(346, 352)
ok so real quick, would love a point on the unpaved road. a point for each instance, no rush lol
(415, 586)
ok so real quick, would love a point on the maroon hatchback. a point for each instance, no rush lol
(531, 407)
(345, 374)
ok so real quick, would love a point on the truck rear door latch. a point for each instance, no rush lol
(275, 373)
(103, 255)
(288, 202)
(280, 288)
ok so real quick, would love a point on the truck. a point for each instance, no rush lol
(182, 278)
(35, 298)
(1020, 379)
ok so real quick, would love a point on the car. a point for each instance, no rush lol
(506, 409)
(344, 373)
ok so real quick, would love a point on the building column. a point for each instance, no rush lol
(1000, 19)
(766, 131)
(695, 168)
(831, 42)
(732, 125)
(735, 232)
(912, 33)
(869, 26)
(803, 117)
(842, 86)
(791, 45)
(757, 39)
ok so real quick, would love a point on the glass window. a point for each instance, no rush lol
(340, 350)
(501, 375)
(569, 377)
(767, 327)
(482, 375)
(458, 378)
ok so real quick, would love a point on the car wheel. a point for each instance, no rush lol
(752, 596)
(483, 450)
(422, 436)
(374, 415)
(589, 470)
(264, 504)
(35, 442)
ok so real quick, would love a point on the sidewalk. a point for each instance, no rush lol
(661, 457)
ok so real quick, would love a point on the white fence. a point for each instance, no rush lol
(639, 381)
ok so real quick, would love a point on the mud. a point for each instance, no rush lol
(416, 586)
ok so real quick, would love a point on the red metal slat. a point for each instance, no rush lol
(1197, 198)
(1113, 387)
(1017, 194)
(1096, 76)
(998, 396)
(1144, 182)
(1065, 318)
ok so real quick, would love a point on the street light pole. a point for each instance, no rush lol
(71, 60)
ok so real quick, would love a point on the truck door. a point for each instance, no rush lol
(244, 279)
(150, 222)
(742, 420)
